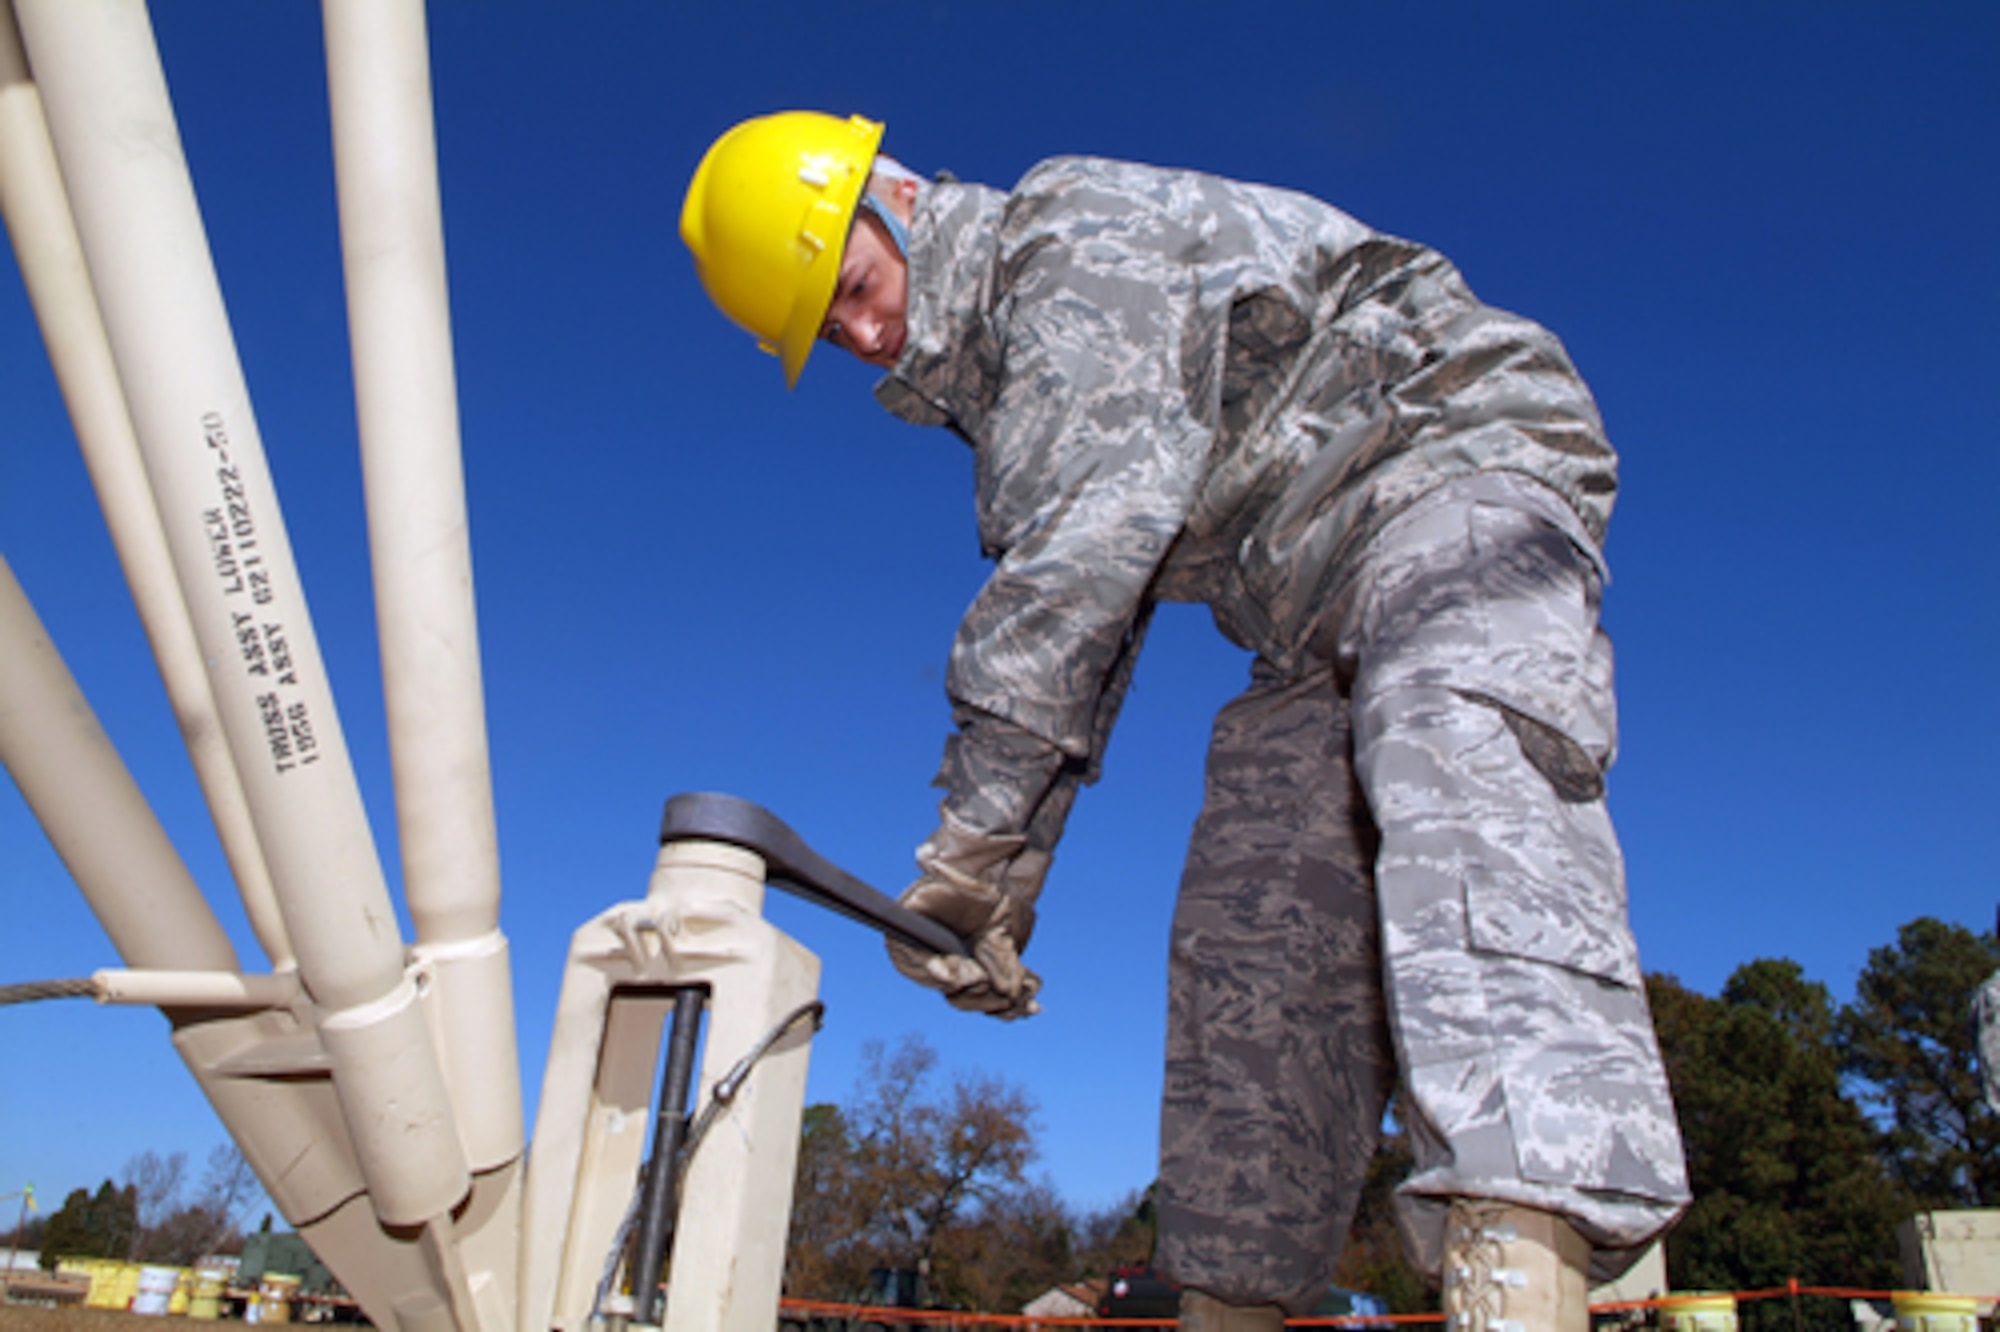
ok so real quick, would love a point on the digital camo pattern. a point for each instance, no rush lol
(1986, 1025)
(1278, 1063)
(1180, 387)
(1525, 1044)
(1527, 1056)
(1183, 388)
(1002, 777)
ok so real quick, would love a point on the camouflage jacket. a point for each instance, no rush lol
(1184, 388)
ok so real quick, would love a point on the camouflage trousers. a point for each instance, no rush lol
(1403, 872)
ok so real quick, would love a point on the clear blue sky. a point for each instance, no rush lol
(1769, 234)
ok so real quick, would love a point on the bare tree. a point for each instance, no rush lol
(230, 1189)
(156, 1183)
(168, 1229)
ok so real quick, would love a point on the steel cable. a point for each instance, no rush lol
(29, 991)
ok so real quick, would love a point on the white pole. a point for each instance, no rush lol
(113, 126)
(392, 244)
(58, 284)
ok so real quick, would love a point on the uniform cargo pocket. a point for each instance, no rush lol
(1548, 882)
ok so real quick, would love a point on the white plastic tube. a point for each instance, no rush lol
(58, 284)
(196, 989)
(112, 123)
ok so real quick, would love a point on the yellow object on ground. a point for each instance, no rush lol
(205, 1294)
(1927, 1311)
(1699, 1313)
(112, 1283)
(279, 1290)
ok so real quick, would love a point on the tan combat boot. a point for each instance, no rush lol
(1202, 1312)
(1513, 1269)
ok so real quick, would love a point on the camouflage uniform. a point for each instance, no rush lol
(1184, 388)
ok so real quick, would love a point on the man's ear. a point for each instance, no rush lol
(903, 198)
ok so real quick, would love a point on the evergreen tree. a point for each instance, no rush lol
(114, 1215)
(819, 1251)
(1909, 1037)
(92, 1226)
(1785, 1177)
(65, 1236)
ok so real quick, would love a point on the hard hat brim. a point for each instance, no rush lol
(808, 315)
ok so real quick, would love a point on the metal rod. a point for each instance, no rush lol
(659, 1205)
(58, 284)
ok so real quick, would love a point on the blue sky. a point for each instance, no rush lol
(1769, 234)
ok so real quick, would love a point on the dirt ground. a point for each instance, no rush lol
(28, 1318)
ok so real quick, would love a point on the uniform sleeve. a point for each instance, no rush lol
(1088, 465)
(1002, 779)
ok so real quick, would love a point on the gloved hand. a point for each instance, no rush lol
(983, 887)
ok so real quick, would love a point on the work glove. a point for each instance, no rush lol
(982, 887)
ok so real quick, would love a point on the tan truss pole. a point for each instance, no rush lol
(112, 124)
(58, 285)
(399, 324)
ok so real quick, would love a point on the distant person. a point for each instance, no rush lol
(1182, 388)
(1986, 1031)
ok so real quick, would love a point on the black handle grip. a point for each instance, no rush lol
(795, 867)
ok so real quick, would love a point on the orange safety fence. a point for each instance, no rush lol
(954, 1320)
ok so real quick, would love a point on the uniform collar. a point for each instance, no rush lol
(950, 359)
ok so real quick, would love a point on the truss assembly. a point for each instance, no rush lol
(373, 1082)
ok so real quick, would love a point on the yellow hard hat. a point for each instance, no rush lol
(767, 216)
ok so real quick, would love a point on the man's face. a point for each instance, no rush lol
(870, 298)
